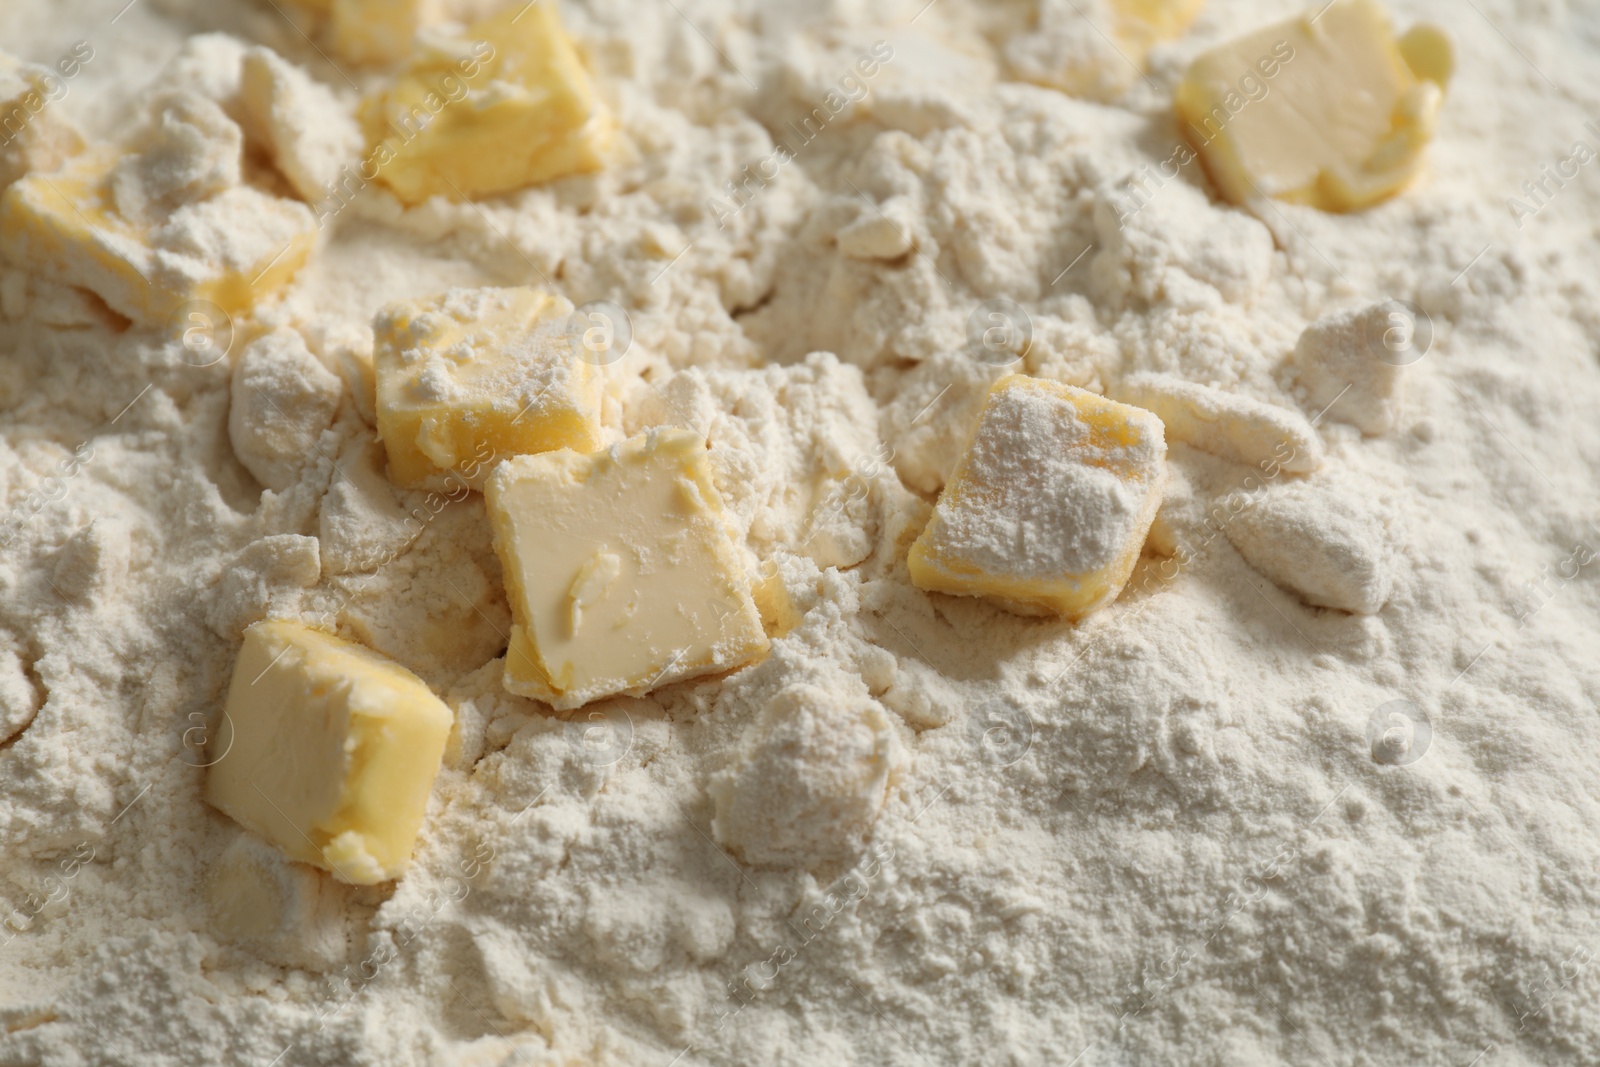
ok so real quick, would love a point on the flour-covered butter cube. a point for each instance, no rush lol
(328, 751)
(473, 376)
(510, 105)
(1327, 109)
(1050, 504)
(620, 572)
(163, 219)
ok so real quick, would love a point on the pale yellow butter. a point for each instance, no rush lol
(1049, 505)
(510, 105)
(1329, 109)
(473, 376)
(620, 572)
(328, 751)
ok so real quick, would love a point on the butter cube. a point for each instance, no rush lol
(160, 221)
(1327, 110)
(472, 120)
(34, 135)
(329, 751)
(1050, 504)
(621, 574)
(473, 376)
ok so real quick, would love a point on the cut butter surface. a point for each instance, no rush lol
(620, 572)
(473, 376)
(329, 751)
(507, 106)
(1049, 506)
(1329, 109)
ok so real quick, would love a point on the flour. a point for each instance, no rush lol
(923, 830)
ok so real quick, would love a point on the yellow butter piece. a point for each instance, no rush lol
(34, 134)
(511, 105)
(1050, 504)
(1326, 110)
(159, 221)
(328, 751)
(620, 572)
(473, 376)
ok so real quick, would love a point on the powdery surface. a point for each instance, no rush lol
(1159, 837)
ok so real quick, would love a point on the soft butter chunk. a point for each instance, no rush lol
(473, 376)
(619, 569)
(1049, 506)
(329, 751)
(508, 106)
(1351, 364)
(1327, 109)
(1327, 544)
(159, 221)
(282, 399)
(1228, 425)
(34, 135)
(283, 910)
(307, 132)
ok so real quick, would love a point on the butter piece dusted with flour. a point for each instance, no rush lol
(382, 31)
(34, 135)
(620, 572)
(524, 113)
(162, 220)
(1328, 109)
(473, 376)
(1049, 506)
(301, 124)
(1096, 48)
(328, 751)
(1234, 427)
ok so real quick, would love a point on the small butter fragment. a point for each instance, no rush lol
(382, 31)
(1234, 427)
(526, 112)
(1050, 504)
(157, 223)
(472, 376)
(1327, 109)
(620, 572)
(34, 135)
(283, 910)
(1096, 49)
(329, 751)
(304, 128)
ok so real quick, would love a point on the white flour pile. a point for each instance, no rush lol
(1212, 824)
